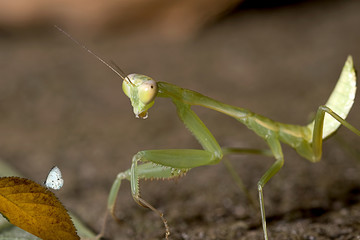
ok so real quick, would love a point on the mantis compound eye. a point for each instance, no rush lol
(147, 91)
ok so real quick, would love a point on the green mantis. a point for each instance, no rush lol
(170, 163)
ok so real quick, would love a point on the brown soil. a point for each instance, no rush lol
(60, 106)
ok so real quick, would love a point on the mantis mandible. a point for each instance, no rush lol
(171, 163)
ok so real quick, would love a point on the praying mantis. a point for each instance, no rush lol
(172, 163)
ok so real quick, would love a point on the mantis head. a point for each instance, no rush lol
(142, 91)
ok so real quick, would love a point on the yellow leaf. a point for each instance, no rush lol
(35, 209)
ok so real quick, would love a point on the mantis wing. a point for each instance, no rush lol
(341, 99)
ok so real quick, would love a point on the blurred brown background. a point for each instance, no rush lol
(60, 106)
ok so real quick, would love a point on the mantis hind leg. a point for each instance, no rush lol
(314, 152)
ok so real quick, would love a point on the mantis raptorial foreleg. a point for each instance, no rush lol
(143, 171)
(171, 162)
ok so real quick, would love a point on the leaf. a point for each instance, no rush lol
(35, 209)
(11, 232)
(82, 230)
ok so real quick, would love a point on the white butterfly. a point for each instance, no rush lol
(54, 179)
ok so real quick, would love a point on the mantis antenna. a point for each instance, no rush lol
(95, 55)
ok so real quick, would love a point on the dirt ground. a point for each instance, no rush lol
(60, 106)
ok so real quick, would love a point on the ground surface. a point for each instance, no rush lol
(59, 106)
